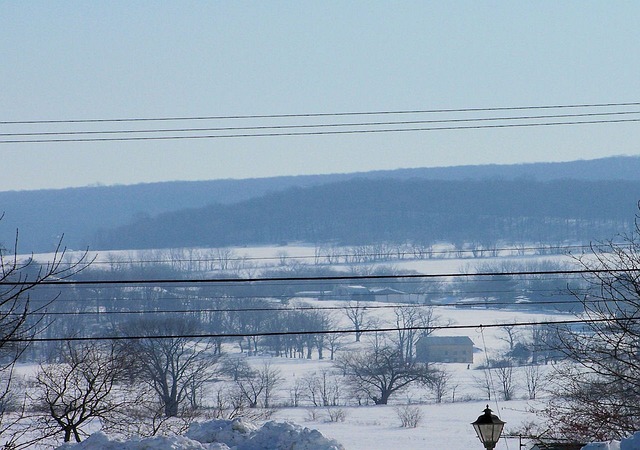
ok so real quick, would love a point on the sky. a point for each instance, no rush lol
(110, 60)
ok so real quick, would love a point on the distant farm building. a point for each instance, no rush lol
(357, 293)
(382, 294)
(353, 293)
(558, 446)
(389, 295)
(476, 302)
(445, 349)
(320, 295)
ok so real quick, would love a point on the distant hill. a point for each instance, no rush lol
(613, 168)
(366, 211)
(81, 213)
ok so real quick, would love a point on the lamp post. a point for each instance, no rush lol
(488, 428)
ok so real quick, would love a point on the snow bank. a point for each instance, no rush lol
(242, 435)
(630, 443)
(231, 432)
(613, 445)
(100, 441)
(220, 435)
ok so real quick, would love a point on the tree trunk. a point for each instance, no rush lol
(383, 399)
(171, 408)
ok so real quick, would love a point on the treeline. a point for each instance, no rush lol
(365, 211)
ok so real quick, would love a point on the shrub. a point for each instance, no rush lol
(336, 414)
(410, 415)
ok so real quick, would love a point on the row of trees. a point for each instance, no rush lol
(230, 261)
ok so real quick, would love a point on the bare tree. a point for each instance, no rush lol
(535, 380)
(87, 386)
(147, 417)
(333, 342)
(509, 334)
(379, 371)
(546, 344)
(356, 313)
(506, 381)
(322, 321)
(259, 385)
(440, 384)
(231, 404)
(323, 388)
(169, 360)
(605, 350)
(223, 257)
(412, 322)
(235, 367)
(484, 382)
(24, 299)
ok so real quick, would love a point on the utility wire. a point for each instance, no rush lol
(430, 328)
(465, 305)
(334, 114)
(488, 374)
(307, 126)
(314, 133)
(321, 295)
(304, 286)
(146, 281)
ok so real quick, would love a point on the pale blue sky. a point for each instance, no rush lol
(77, 60)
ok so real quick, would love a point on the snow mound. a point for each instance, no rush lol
(613, 445)
(101, 441)
(232, 432)
(220, 435)
(242, 435)
(630, 443)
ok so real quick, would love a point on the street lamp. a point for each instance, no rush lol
(488, 428)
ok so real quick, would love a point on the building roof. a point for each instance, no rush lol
(386, 291)
(557, 446)
(355, 288)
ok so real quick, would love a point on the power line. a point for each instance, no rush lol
(319, 332)
(333, 114)
(147, 281)
(321, 295)
(306, 126)
(313, 133)
(465, 305)
(326, 294)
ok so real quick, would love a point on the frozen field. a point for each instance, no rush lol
(443, 426)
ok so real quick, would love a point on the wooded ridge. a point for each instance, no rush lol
(85, 215)
(362, 211)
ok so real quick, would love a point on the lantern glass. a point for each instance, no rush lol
(488, 428)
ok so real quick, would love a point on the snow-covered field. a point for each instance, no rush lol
(443, 426)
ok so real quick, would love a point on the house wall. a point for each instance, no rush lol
(445, 353)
